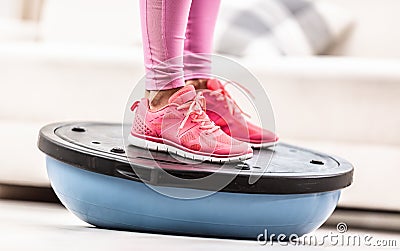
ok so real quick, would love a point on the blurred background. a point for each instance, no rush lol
(330, 67)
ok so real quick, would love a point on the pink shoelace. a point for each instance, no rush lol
(196, 111)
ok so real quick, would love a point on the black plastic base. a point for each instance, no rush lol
(282, 169)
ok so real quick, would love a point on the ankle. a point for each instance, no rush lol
(198, 83)
(159, 99)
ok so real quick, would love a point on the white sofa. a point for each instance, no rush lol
(81, 63)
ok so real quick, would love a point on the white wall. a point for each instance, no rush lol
(10, 8)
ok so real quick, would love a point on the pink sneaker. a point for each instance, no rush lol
(225, 113)
(182, 127)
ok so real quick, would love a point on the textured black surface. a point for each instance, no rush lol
(283, 169)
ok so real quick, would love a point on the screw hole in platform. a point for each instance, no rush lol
(243, 166)
(117, 150)
(78, 129)
(316, 162)
(96, 142)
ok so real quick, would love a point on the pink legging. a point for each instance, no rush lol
(172, 29)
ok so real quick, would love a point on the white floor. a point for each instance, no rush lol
(41, 226)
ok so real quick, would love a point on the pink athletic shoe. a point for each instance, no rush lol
(182, 127)
(225, 113)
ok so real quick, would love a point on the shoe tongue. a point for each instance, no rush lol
(214, 84)
(183, 95)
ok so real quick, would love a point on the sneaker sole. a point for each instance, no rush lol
(263, 145)
(151, 145)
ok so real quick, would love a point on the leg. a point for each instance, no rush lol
(163, 28)
(181, 126)
(199, 39)
(197, 67)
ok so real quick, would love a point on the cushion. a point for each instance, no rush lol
(279, 27)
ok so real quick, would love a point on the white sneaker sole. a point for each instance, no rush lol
(263, 145)
(151, 145)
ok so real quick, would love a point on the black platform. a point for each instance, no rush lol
(283, 169)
